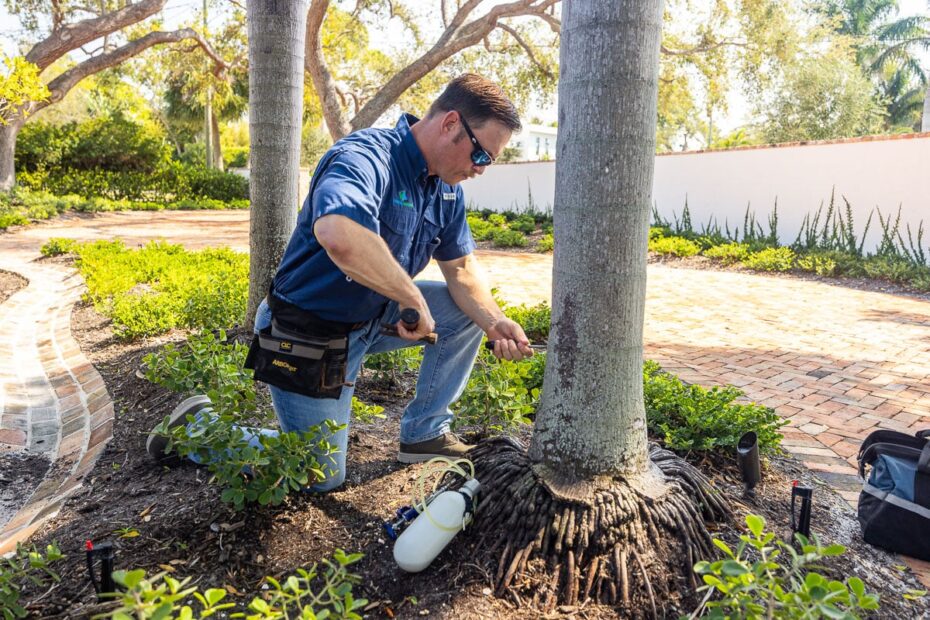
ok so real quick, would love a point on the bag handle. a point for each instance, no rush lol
(924, 434)
(922, 478)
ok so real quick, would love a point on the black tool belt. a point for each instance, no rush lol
(300, 352)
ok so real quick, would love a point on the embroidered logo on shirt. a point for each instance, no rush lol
(402, 200)
(448, 195)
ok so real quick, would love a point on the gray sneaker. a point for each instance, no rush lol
(155, 444)
(447, 445)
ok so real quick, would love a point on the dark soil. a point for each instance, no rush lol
(172, 519)
(10, 283)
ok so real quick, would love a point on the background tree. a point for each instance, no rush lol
(591, 511)
(72, 27)
(276, 65)
(823, 96)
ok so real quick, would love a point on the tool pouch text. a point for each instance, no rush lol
(308, 364)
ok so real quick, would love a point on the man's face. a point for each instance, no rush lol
(456, 163)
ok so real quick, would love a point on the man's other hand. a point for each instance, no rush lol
(510, 342)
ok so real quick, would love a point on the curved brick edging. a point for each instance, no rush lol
(52, 400)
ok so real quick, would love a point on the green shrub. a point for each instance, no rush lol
(757, 587)
(57, 246)
(524, 224)
(506, 238)
(771, 259)
(674, 246)
(390, 366)
(496, 399)
(546, 243)
(890, 268)
(817, 262)
(497, 219)
(223, 186)
(533, 319)
(161, 286)
(26, 564)
(690, 417)
(310, 593)
(8, 219)
(236, 157)
(206, 364)
(728, 253)
(366, 413)
(481, 230)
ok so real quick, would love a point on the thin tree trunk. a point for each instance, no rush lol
(217, 148)
(276, 65)
(591, 420)
(925, 120)
(8, 135)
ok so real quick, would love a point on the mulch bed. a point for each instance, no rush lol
(10, 283)
(182, 526)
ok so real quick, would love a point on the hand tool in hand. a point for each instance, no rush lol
(489, 345)
(410, 318)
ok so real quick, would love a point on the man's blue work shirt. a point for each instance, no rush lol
(377, 178)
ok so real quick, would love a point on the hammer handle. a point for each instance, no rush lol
(390, 330)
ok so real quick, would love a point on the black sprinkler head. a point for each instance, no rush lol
(747, 452)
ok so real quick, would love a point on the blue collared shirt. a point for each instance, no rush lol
(377, 178)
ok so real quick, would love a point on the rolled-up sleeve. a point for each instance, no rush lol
(455, 239)
(352, 186)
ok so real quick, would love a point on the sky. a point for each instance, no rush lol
(176, 11)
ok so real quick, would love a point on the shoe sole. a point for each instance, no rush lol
(178, 416)
(410, 457)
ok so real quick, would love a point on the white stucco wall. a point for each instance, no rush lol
(885, 171)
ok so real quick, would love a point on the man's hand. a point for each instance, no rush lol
(510, 342)
(424, 327)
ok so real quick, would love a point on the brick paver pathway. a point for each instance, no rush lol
(837, 363)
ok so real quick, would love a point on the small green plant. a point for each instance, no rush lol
(312, 593)
(674, 246)
(481, 229)
(206, 364)
(525, 224)
(546, 243)
(57, 246)
(728, 253)
(26, 564)
(757, 587)
(160, 597)
(506, 238)
(365, 413)
(771, 259)
(497, 219)
(251, 466)
(817, 262)
(390, 366)
(496, 399)
(691, 417)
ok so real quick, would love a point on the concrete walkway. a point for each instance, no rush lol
(837, 363)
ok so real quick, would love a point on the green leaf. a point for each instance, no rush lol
(732, 568)
(723, 547)
(856, 586)
(756, 524)
(913, 595)
(214, 596)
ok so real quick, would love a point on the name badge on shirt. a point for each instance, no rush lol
(448, 195)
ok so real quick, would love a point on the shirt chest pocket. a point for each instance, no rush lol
(398, 227)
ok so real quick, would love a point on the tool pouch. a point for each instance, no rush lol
(301, 353)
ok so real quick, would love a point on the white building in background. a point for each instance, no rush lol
(535, 143)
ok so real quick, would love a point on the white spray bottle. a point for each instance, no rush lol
(430, 532)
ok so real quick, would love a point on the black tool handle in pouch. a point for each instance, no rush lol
(410, 318)
(801, 524)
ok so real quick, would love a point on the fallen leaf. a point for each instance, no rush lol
(166, 567)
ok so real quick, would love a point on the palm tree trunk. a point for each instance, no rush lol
(276, 70)
(217, 149)
(925, 120)
(592, 421)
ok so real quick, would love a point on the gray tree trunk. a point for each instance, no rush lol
(925, 120)
(8, 135)
(591, 421)
(276, 70)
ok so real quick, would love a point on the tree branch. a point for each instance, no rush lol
(323, 81)
(60, 86)
(456, 37)
(526, 48)
(72, 36)
(699, 49)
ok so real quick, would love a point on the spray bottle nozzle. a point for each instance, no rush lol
(403, 517)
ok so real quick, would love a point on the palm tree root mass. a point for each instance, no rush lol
(623, 548)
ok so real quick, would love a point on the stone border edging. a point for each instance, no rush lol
(52, 400)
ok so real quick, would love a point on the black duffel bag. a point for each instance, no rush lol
(894, 505)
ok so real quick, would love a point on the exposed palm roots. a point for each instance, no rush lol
(623, 548)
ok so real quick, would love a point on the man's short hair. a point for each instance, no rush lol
(479, 100)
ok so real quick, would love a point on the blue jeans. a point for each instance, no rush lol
(443, 375)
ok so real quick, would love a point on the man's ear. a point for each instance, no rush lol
(449, 122)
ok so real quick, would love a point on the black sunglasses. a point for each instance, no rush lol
(479, 155)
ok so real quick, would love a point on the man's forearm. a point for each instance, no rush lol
(470, 291)
(363, 256)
